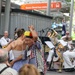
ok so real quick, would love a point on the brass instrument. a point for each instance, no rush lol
(6, 45)
(59, 50)
(59, 46)
(67, 39)
(53, 34)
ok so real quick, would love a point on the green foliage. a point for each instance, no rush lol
(68, 0)
(59, 36)
(74, 5)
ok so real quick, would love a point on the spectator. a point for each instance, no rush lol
(4, 69)
(28, 69)
(18, 49)
(33, 52)
(63, 27)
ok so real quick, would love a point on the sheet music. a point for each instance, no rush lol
(63, 42)
(49, 44)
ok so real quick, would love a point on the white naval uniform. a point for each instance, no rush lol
(4, 41)
(51, 52)
(67, 59)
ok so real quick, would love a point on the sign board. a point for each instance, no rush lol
(39, 6)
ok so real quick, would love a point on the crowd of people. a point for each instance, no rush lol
(24, 55)
(26, 49)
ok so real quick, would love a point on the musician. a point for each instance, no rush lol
(67, 56)
(54, 40)
(67, 37)
(5, 40)
(51, 52)
(55, 54)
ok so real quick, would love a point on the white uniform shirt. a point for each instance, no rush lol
(4, 41)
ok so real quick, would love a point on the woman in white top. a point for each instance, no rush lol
(18, 46)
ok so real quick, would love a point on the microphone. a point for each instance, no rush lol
(42, 30)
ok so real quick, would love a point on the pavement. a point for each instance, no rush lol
(63, 73)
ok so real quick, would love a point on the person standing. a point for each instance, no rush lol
(18, 47)
(63, 27)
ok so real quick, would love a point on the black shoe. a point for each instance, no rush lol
(47, 63)
(51, 70)
(69, 70)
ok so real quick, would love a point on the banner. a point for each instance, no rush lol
(38, 6)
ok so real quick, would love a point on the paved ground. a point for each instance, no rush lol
(63, 73)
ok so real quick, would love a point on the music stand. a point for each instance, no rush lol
(43, 39)
(47, 41)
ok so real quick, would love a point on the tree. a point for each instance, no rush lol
(68, 0)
